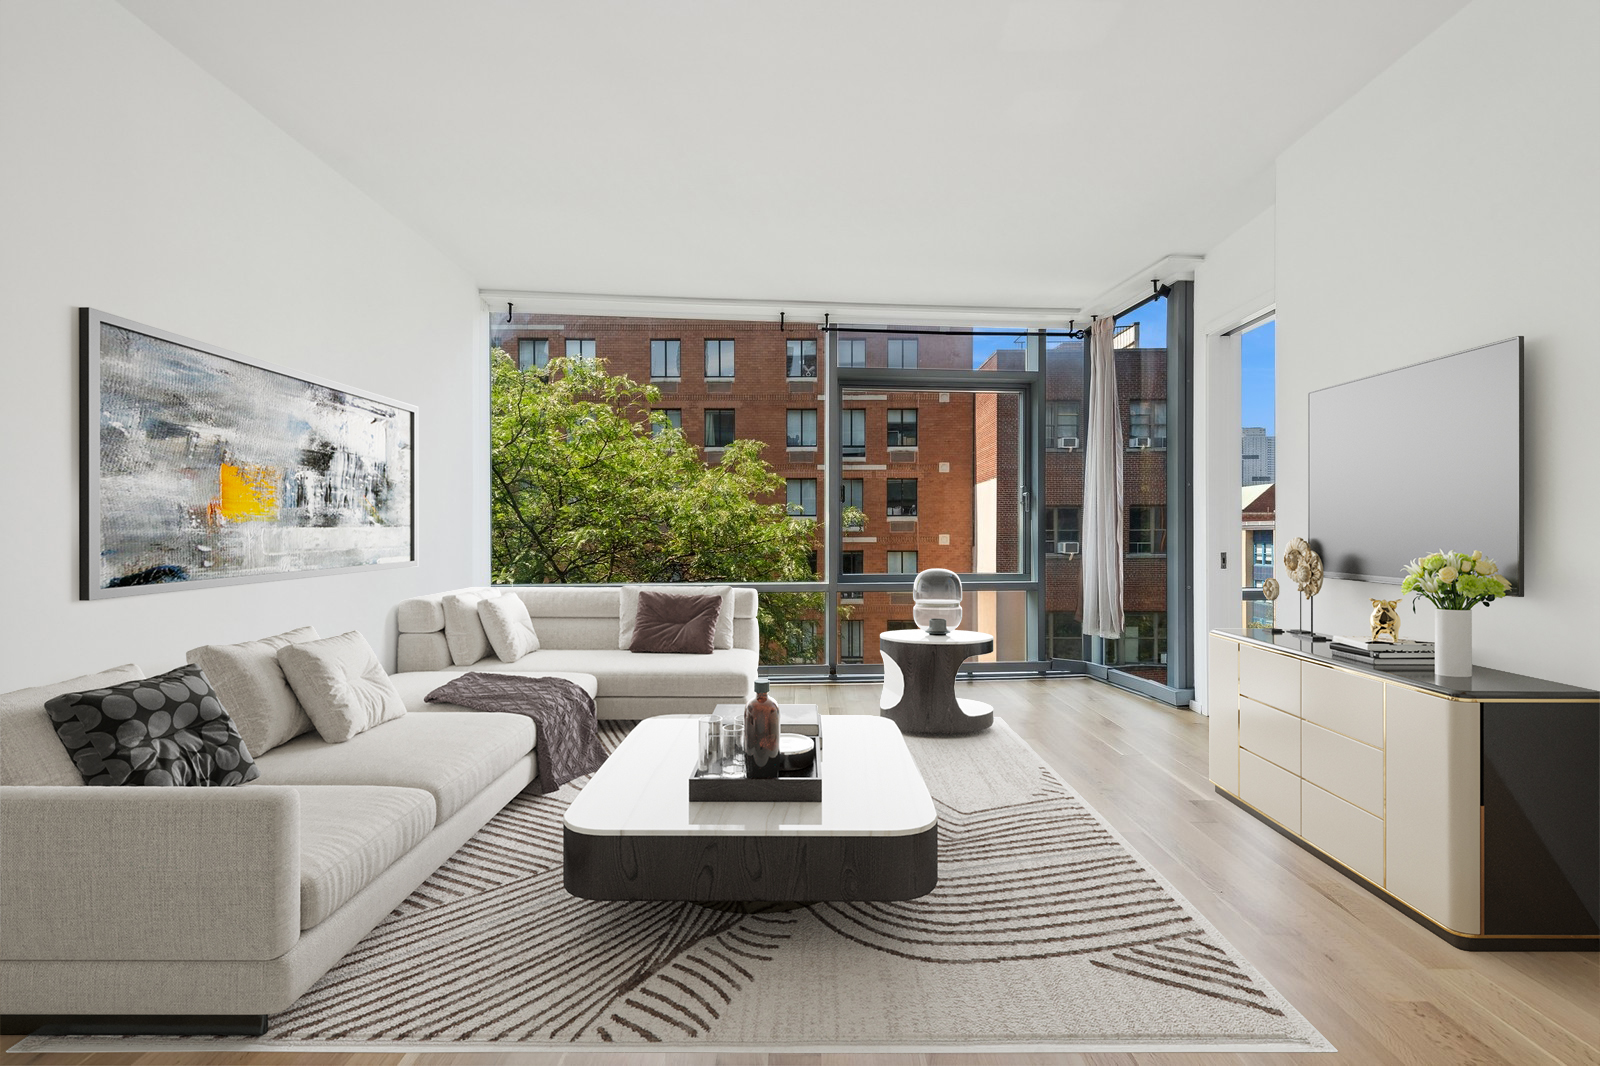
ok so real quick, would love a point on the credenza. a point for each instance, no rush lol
(1471, 804)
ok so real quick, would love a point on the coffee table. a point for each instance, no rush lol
(919, 681)
(633, 834)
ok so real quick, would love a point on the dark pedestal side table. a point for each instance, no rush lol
(919, 681)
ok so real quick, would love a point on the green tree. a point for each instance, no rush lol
(588, 484)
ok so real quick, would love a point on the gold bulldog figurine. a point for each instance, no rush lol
(1385, 619)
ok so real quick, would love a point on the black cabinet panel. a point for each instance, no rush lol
(1541, 812)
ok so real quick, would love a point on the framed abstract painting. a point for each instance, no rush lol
(202, 468)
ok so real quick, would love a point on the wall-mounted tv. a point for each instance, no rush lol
(1419, 459)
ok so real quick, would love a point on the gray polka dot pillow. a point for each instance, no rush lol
(166, 730)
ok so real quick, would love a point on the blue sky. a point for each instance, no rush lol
(1257, 359)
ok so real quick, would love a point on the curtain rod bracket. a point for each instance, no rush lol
(781, 327)
(509, 305)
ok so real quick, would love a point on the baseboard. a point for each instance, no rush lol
(133, 1024)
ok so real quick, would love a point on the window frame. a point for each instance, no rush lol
(798, 440)
(853, 433)
(790, 484)
(898, 350)
(725, 359)
(899, 557)
(670, 367)
(583, 355)
(1157, 533)
(857, 352)
(895, 427)
(1053, 424)
(895, 487)
(733, 433)
(1157, 444)
(540, 347)
(790, 354)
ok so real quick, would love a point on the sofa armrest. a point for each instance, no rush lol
(149, 873)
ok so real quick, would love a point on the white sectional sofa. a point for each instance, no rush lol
(579, 630)
(207, 909)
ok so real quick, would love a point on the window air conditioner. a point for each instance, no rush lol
(1066, 547)
(1139, 442)
(1067, 443)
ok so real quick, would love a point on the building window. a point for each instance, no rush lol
(802, 359)
(852, 562)
(1061, 425)
(580, 351)
(674, 418)
(850, 640)
(902, 563)
(853, 433)
(803, 496)
(533, 353)
(1263, 553)
(903, 352)
(903, 427)
(899, 623)
(1065, 634)
(663, 359)
(1147, 531)
(1144, 637)
(902, 497)
(851, 492)
(1061, 530)
(1147, 424)
(852, 352)
(719, 428)
(719, 359)
(802, 429)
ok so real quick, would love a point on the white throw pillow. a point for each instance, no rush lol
(722, 637)
(341, 684)
(30, 751)
(248, 680)
(463, 629)
(509, 626)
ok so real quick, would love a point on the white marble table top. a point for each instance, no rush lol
(871, 787)
(921, 636)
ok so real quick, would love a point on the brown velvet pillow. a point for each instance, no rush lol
(670, 623)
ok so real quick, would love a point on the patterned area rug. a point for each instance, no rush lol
(1046, 932)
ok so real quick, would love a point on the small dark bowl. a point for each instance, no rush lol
(796, 753)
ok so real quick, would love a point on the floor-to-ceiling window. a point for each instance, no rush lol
(1258, 468)
(864, 454)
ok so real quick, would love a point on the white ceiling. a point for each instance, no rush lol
(918, 152)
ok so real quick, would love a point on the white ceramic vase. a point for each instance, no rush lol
(1452, 643)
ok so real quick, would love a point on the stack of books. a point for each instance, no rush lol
(1387, 655)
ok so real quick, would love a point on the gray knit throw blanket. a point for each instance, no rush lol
(567, 744)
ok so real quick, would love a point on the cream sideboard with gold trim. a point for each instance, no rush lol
(1471, 804)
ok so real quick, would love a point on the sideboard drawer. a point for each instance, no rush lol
(1342, 701)
(1270, 733)
(1347, 768)
(1270, 677)
(1348, 833)
(1271, 790)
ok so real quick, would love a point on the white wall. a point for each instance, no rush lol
(1233, 285)
(132, 182)
(1452, 202)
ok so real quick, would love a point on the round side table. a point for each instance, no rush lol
(919, 681)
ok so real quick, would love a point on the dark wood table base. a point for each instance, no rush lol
(706, 868)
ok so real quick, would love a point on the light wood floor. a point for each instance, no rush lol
(1376, 985)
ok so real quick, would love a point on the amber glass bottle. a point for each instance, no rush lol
(761, 757)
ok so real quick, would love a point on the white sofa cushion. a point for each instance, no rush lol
(341, 684)
(721, 638)
(463, 629)
(452, 756)
(30, 751)
(510, 630)
(725, 674)
(248, 680)
(349, 834)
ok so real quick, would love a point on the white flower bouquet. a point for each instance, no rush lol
(1453, 581)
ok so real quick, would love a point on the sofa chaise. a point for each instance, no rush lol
(580, 630)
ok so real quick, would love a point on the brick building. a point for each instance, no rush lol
(908, 457)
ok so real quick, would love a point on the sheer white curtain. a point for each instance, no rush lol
(1102, 491)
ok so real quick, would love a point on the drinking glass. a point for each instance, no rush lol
(733, 747)
(709, 753)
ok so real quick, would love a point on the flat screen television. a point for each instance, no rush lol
(1419, 459)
